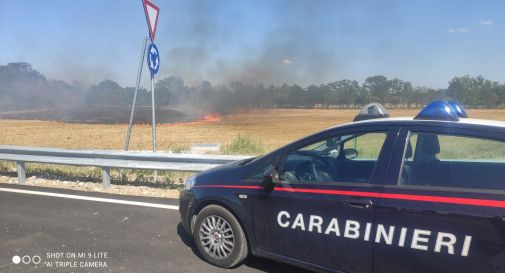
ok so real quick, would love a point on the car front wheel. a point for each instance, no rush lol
(219, 237)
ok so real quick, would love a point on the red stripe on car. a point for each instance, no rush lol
(396, 196)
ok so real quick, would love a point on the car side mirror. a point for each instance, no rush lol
(269, 180)
(350, 153)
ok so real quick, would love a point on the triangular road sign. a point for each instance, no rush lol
(152, 11)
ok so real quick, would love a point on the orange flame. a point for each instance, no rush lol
(214, 117)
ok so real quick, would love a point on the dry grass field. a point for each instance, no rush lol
(271, 127)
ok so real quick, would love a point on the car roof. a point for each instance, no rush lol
(411, 121)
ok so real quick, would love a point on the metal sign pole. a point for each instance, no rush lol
(154, 124)
(139, 75)
(153, 62)
(154, 113)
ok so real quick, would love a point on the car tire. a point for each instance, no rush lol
(219, 237)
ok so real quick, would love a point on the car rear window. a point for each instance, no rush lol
(442, 160)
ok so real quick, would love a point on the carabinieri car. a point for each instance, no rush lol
(423, 194)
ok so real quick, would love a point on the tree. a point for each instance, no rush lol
(399, 91)
(317, 95)
(170, 91)
(378, 86)
(298, 96)
(476, 91)
(346, 91)
(107, 93)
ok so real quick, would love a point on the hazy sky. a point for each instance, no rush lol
(304, 42)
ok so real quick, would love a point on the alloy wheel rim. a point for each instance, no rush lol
(216, 237)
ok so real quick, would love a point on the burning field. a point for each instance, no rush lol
(101, 115)
(272, 128)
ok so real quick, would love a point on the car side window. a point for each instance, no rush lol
(367, 146)
(453, 161)
(347, 158)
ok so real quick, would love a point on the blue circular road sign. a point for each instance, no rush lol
(153, 59)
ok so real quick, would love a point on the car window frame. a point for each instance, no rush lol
(396, 165)
(380, 168)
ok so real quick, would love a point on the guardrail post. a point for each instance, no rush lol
(21, 172)
(106, 177)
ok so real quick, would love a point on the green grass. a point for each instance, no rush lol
(178, 148)
(245, 145)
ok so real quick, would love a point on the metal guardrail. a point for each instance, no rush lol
(112, 159)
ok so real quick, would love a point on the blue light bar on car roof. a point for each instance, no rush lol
(439, 110)
(459, 109)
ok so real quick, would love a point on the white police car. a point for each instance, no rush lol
(423, 194)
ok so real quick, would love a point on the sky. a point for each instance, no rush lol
(272, 42)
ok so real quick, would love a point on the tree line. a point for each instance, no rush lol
(475, 92)
(22, 87)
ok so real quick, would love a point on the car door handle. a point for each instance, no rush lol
(361, 203)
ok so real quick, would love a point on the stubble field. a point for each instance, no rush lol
(271, 128)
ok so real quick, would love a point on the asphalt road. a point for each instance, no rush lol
(52, 234)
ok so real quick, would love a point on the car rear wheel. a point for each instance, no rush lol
(219, 237)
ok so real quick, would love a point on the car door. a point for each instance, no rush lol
(444, 207)
(325, 219)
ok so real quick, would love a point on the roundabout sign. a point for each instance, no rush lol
(153, 59)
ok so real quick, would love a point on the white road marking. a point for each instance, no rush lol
(89, 198)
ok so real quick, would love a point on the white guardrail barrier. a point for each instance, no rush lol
(112, 159)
